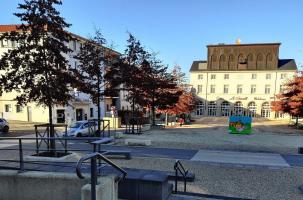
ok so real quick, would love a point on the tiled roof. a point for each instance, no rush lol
(8, 28)
(287, 64)
(195, 65)
(13, 27)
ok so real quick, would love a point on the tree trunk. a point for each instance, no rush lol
(297, 121)
(133, 112)
(51, 130)
(166, 119)
(99, 108)
(153, 111)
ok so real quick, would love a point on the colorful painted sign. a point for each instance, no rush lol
(239, 125)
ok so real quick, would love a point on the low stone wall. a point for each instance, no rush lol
(51, 186)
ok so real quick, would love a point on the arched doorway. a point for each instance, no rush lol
(200, 108)
(212, 108)
(265, 110)
(225, 108)
(238, 109)
(252, 109)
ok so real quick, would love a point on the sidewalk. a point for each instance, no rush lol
(239, 158)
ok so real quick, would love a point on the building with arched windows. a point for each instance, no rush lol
(240, 79)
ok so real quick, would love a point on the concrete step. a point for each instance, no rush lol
(148, 186)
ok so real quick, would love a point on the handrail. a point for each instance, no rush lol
(93, 157)
(50, 138)
(178, 167)
(100, 156)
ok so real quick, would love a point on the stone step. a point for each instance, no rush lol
(148, 186)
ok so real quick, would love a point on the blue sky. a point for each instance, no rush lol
(179, 30)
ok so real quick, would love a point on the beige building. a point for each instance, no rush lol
(81, 108)
(240, 79)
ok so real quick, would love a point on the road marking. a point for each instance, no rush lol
(240, 158)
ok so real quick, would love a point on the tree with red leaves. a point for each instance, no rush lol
(291, 99)
(186, 101)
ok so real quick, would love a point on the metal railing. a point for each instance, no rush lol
(94, 169)
(21, 149)
(178, 167)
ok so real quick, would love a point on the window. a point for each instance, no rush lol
(200, 108)
(225, 91)
(212, 108)
(76, 64)
(200, 76)
(225, 108)
(91, 112)
(281, 88)
(213, 76)
(252, 108)
(212, 88)
(253, 89)
(226, 76)
(18, 108)
(239, 89)
(267, 89)
(199, 89)
(254, 76)
(74, 45)
(283, 76)
(265, 110)
(8, 107)
(238, 109)
(4, 43)
(13, 43)
(268, 76)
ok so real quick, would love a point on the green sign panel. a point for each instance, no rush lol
(239, 125)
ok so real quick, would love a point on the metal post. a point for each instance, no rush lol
(21, 156)
(176, 181)
(99, 160)
(108, 122)
(65, 141)
(185, 183)
(93, 178)
(37, 144)
(103, 129)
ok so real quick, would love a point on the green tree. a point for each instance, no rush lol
(125, 72)
(37, 68)
(93, 57)
(159, 88)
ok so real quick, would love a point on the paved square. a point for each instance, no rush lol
(241, 158)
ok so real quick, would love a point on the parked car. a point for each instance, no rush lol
(81, 128)
(4, 126)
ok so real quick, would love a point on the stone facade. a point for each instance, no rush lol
(243, 57)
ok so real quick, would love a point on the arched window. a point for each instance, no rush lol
(200, 108)
(265, 110)
(269, 60)
(231, 62)
(238, 109)
(213, 59)
(225, 108)
(212, 108)
(250, 61)
(222, 64)
(241, 58)
(260, 61)
(252, 109)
